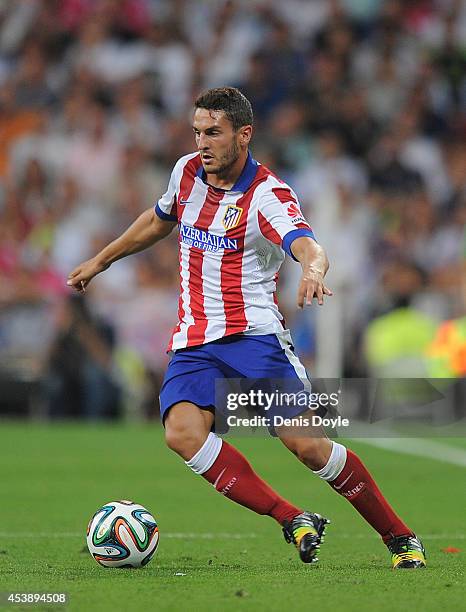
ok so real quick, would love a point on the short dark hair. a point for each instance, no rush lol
(231, 101)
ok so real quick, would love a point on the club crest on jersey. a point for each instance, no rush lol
(232, 216)
(201, 239)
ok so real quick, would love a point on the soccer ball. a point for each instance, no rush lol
(122, 534)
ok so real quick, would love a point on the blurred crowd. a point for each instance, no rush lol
(359, 105)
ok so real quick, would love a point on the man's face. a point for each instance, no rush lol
(217, 142)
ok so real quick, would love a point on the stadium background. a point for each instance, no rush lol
(359, 105)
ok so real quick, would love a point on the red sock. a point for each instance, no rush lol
(357, 485)
(232, 476)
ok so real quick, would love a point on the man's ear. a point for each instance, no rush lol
(245, 134)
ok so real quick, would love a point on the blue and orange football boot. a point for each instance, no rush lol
(306, 531)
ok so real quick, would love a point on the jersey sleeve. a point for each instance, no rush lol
(280, 218)
(165, 208)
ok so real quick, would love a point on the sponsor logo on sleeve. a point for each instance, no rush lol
(292, 207)
(295, 213)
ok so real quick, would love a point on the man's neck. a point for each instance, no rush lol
(227, 179)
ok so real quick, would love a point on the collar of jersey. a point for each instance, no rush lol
(245, 179)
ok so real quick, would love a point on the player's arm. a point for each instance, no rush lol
(314, 264)
(282, 222)
(148, 229)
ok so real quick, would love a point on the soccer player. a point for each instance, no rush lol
(236, 221)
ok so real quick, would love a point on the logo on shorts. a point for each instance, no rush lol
(232, 216)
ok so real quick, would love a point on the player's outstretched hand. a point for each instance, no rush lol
(82, 275)
(312, 286)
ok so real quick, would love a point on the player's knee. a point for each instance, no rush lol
(313, 452)
(184, 441)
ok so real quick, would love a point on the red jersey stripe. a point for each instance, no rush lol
(186, 186)
(231, 272)
(187, 182)
(284, 195)
(174, 208)
(268, 230)
(196, 332)
(303, 225)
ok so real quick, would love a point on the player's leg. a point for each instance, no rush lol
(187, 428)
(187, 431)
(189, 384)
(348, 476)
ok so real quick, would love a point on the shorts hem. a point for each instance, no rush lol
(165, 411)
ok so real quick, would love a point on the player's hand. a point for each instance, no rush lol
(82, 275)
(312, 286)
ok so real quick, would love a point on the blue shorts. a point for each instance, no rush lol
(192, 373)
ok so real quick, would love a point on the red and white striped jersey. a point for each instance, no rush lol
(231, 246)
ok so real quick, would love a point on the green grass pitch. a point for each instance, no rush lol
(213, 554)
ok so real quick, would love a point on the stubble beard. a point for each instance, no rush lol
(227, 160)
